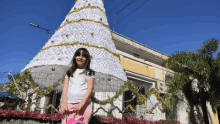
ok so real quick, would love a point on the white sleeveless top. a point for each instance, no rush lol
(77, 86)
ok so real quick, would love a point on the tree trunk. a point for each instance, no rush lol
(192, 117)
(203, 105)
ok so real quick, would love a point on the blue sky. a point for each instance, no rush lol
(164, 25)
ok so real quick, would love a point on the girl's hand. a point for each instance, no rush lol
(78, 106)
(63, 108)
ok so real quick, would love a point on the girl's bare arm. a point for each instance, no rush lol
(65, 91)
(90, 86)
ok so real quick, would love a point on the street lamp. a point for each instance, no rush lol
(48, 31)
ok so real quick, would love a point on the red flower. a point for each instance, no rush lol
(6, 113)
(24, 113)
(53, 116)
(58, 116)
(44, 116)
(39, 116)
(14, 113)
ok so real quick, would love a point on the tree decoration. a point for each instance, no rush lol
(45, 42)
(100, 19)
(67, 36)
(89, 5)
(52, 41)
(53, 69)
(92, 7)
(85, 44)
(83, 20)
(67, 21)
(109, 79)
(59, 59)
(130, 85)
(91, 57)
(91, 34)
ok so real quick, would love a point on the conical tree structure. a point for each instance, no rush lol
(85, 26)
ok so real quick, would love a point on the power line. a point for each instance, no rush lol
(131, 12)
(116, 6)
(120, 11)
(124, 7)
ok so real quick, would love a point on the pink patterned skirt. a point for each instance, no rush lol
(83, 116)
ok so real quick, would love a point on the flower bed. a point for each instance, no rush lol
(30, 114)
(126, 120)
(28, 117)
(21, 120)
(31, 117)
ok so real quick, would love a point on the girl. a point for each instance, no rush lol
(77, 89)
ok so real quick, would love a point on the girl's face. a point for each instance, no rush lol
(80, 60)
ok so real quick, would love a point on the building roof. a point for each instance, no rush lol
(139, 43)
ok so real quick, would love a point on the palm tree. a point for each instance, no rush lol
(199, 65)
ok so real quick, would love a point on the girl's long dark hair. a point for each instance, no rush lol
(86, 65)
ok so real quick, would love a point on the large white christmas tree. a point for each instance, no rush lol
(85, 26)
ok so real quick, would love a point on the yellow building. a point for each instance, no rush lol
(144, 66)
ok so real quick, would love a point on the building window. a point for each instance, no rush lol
(128, 97)
(58, 100)
(142, 91)
(55, 101)
(48, 111)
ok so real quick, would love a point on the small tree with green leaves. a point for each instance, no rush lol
(200, 65)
